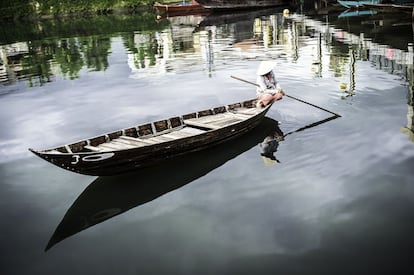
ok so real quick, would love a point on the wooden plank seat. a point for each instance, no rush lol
(128, 142)
(158, 139)
(191, 131)
(217, 121)
(138, 140)
(176, 135)
(121, 143)
(113, 146)
(200, 124)
(242, 116)
(93, 148)
(246, 111)
(226, 122)
(234, 115)
(212, 118)
(183, 132)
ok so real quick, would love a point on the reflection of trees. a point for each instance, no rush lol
(95, 51)
(15, 8)
(67, 44)
(144, 48)
(9, 9)
(68, 58)
(12, 31)
(36, 65)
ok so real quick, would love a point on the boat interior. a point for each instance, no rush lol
(165, 130)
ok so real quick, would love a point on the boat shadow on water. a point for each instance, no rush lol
(109, 196)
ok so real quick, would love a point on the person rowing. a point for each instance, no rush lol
(268, 89)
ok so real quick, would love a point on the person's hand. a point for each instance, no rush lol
(278, 96)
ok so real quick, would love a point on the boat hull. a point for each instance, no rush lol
(180, 9)
(113, 162)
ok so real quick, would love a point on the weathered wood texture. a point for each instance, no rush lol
(147, 144)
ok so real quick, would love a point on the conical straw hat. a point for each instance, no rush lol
(265, 67)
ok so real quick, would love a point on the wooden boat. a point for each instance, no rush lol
(182, 9)
(147, 144)
(240, 4)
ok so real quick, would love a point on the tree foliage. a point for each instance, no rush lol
(42, 8)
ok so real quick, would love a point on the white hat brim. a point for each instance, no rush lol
(265, 67)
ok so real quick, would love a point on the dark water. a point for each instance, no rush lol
(341, 200)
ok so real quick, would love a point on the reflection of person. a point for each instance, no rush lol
(269, 146)
(268, 90)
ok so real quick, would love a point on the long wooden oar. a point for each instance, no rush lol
(292, 97)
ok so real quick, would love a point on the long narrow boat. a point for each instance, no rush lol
(147, 144)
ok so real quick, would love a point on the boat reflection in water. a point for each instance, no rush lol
(269, 147)
(109, 196)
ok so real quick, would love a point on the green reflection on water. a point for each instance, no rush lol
(143, 46)
(37, 52)
(24, 8)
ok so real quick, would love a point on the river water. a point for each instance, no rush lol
(339, 198)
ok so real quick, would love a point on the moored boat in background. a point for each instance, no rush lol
(240, 4)
(180, 9)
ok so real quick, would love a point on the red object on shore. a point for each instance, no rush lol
(183, 9)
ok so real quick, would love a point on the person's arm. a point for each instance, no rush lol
(262, 85)
(278, 88)
(277, 85)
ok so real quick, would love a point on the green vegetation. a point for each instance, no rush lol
(40, 51)
(14, 31)
(49, 8)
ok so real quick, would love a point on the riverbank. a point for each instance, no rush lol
(45, 9)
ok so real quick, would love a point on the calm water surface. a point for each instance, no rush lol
(341, 200)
